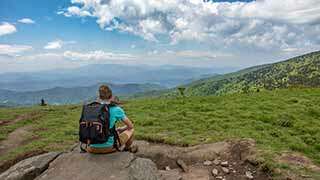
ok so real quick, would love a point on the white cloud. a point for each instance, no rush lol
(75, 11)
(13, 50)
(260, 24)
(7, 28)
(57, 44)
(26, 21)
(96, 55)
(53, 45)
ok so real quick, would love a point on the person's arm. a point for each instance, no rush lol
(128, 125)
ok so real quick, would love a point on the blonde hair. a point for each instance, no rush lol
(105, 93)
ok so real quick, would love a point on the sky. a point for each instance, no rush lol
(39, 35)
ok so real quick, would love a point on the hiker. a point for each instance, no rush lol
(119, 138)
(43, 102)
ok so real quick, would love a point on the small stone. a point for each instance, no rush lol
(134, 149)
(224, 163)
(219, 177)
(207, 163)
(216, 162)
(225, 170)
(234, 171)
(167, 168)
(249, 175)
(214, 172)
(182, 165)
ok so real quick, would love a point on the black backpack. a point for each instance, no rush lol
(94, 125)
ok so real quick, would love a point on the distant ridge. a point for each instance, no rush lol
(61, 95)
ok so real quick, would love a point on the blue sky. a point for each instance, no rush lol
(39, 35)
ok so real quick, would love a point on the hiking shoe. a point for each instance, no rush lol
(132, 149)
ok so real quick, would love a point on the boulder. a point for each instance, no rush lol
(84, 166)
(29, 168)
(143, 169)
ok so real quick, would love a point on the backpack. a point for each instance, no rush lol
(94, 125)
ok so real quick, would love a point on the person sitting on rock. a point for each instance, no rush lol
(116, 114)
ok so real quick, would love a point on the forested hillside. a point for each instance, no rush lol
(301, 71)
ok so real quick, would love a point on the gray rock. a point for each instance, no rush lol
(214, 172)
(249, 175)
(225, 170)
(224, 164)
(182, 165)
(143, 169)
(207, 163)
(216, 162)
(29, 168)
(85, 166)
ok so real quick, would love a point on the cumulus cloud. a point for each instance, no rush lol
(13, 50)
(7, 28)
(260, 24)
(57, 44)
(75, 11)
(26, 21)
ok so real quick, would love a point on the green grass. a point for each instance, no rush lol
(54, 129)
(280, 120)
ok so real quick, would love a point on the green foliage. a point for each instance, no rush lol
(181, 91)
(302, 71)
(280, 120)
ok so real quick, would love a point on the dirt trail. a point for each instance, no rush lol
(19, 136)
(19, 118)
(16, 138)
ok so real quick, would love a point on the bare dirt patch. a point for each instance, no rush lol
(15, 139)
(300, 160)
(232, 160)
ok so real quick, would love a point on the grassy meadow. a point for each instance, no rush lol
(279, 121)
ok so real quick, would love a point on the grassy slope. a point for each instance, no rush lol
(280, 120)
(299, 71)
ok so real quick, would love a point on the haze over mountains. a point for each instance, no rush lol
(77, 85)
(60, 95)
(166, 76)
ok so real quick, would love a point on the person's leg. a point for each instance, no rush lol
(126, 138)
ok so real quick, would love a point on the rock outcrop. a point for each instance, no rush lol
(84, 166)
(29, 168)
(222, 160)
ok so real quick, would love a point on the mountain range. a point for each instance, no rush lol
(166, 75)
(61, 95)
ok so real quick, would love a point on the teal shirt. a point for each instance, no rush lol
(116, 114)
